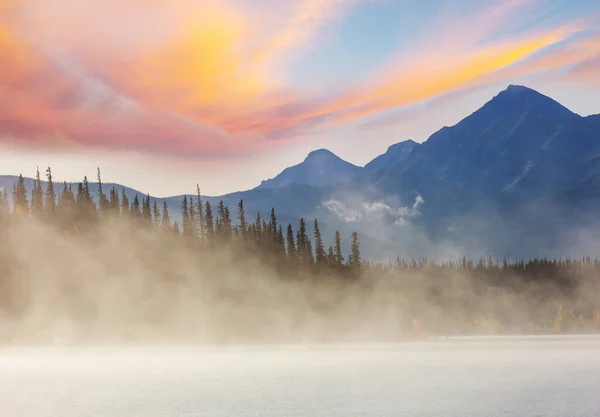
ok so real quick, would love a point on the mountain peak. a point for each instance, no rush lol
(408, 143)
(515, 89)
(320, 154)
(394, 155)
(320, 168)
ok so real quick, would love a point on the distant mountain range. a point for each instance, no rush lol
(518, 177)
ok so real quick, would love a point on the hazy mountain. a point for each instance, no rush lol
(520, 144)
(320, 168)
(518, 177)
(394, 155)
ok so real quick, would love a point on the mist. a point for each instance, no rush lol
(114, 282)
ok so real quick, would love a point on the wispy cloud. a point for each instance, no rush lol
(210, 77)
(373, 211)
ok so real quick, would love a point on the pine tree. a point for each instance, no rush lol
(124, 203)
(330, 256)
(193, 233)
(165, 221)
(291, 247)
(339, 259)
(273, 224)
(280, 241)
(199, 215)
(220, 224)
(320, 256)
(4, 204)
(309, 251)
(114, 202)
(209, 226)
(135, 212)
(102, 200)
(241, 212)
(258, 228)
(227, 225)
(354, 260)
(146, 212)
(20, 202)
(37, 196)
(50, 203)
(186, 221)
(156, 217)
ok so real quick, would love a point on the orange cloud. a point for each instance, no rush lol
(207, 76)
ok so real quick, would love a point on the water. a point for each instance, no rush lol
(525, 377)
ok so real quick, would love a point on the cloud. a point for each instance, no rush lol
(373, 211)
(208, 77)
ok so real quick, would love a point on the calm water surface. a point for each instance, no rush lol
(526, 377)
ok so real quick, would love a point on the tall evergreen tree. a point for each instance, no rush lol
(241, 212)
(291, 247)
(354, 260)
(273, 224)
(165, 221)
(193, 233)
(331, 256)
(320, 255)
(37, 196)
(50, 202)
(186, 221)
(339, 259)
(156, 217)
(199, 214)
(146, 212)
(124, 203)
(135, 211)
(114, 202)
(20, 202)
(103, 203)
(209, 225)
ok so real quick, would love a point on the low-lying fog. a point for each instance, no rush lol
(552, 376)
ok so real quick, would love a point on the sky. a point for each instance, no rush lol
(162, 95)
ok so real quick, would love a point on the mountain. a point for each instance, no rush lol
(394, 155)
(519, 177)
(320, 168)
(520, 143)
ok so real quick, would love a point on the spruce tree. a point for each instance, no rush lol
(339, 259)
(186, 221)
(37, 196)
(199, 215)
(114, 202)
(291, 247)
(124, 203)
(320, 255)
(330, 256)
(102, 200)
(355, 252)
(156, 217)
(135, 212)
(20, 202)
(209, 226)
(50, 203)
(241, 212)
(165, 221)
(273, 224)
(146, 212)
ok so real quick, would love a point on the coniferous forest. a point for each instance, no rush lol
(77, 267)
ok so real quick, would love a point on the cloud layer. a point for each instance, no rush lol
(210, 77)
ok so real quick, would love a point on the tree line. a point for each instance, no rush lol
(458, 288)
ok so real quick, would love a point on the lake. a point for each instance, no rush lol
(494, 376)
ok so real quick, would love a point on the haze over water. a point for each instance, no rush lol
(503, 376)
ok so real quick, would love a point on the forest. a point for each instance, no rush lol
(77, 268)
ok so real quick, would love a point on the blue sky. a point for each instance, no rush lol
(163, 95)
